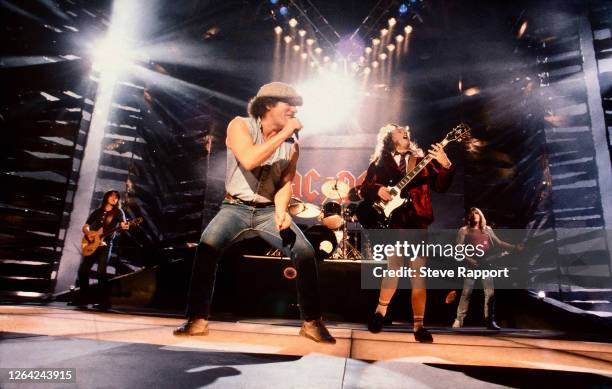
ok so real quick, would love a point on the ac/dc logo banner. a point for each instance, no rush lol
(344, 158)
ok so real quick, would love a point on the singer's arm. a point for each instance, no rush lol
(252, 155)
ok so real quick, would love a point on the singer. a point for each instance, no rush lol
(262, 157)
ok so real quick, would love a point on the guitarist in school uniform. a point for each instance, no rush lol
(394, 156)
(108, 216)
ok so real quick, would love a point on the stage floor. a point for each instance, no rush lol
(136, 351)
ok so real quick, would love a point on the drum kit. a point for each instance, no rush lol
(330, 238)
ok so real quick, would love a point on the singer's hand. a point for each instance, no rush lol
(293, 126)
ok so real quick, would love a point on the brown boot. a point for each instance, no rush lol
(316, 330)
(192, 327)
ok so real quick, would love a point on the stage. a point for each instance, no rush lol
(114, 349)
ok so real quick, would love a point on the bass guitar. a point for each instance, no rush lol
(89, 246)
(378, 214)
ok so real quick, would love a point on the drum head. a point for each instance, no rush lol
(323, 241)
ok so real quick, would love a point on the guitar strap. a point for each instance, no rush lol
(412, 161)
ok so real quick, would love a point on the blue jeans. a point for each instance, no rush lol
(238, 221)
(101, 256)
(466, 294)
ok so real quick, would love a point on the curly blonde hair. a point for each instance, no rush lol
(385, 146)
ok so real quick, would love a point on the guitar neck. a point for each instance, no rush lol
(417, 169)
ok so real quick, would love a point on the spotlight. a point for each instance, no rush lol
(368, 50)
(403, 8)
(304, 56)
(293, 22)
(309, 41)
(391, 47)
(302, 32)
(399, 38)
(375, 41)
(375, 64)
(287, 39)
(408, 29)
(541, 294)
(278, 30)
(382, 56)
(522, 29)
(296, 47)
(366, 71)
(318, 50)
(392, 22)
(361, 59)
(326, 59)
(273, 2)
(383, 32)
(355, 66)
(283, 10)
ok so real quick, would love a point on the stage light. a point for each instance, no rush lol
(296, 47)
(111, 54)
(375, 41)
(403, 8)
(278, 30)
(293, 22)
(318, 50)
(472, 91)
(383, 32)
(273, 2)
(522, 29)
(375, 64)
(382, 56)
(304, 56)
(287, 39)
(391, 47)
(366, 71)
(392, 22)
(460, 85)
(408, 29)
(310, 41)
(302, 33)
(541, 294)
(283, 10)
(326, 59)
(368, 50)
(331, 99)
(399, 38)
(355, 66)
(361, 59)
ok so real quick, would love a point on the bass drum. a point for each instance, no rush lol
(322, 240)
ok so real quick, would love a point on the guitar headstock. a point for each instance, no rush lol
(136, 221)
(458, 133)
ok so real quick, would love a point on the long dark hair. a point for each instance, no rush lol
(107, 195)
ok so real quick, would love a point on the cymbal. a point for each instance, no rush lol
(335, 189)
(304, 210)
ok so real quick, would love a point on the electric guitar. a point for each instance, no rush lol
(378, 214)
(88, 247)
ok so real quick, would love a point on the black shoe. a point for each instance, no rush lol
(101, 306)
(423, 336)
(192, 327)
(376, 323)
(316, 330)
(492, 325)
